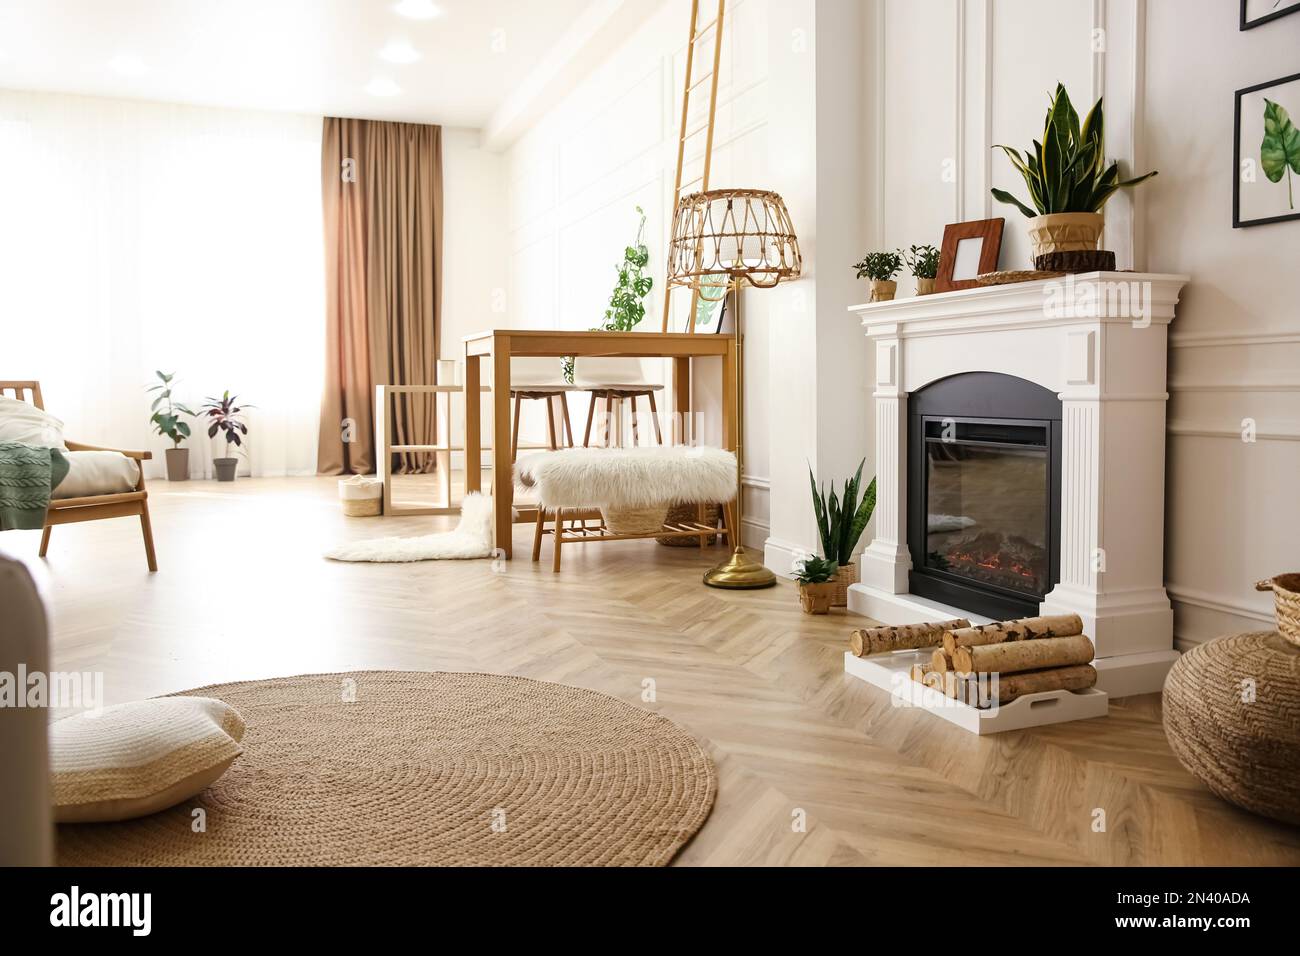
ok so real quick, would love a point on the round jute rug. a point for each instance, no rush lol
(412, 768)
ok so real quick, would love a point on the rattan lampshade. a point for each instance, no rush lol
(741, 233)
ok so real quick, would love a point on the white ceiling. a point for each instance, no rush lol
(302, 56)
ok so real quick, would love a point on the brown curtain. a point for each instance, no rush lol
(382, 192)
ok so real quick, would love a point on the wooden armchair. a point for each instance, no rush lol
(92, 508)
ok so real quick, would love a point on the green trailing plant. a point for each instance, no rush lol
(1279, 153)
(879, 266)
(922, 261)
(166, 413)
(627, 301)
(815, 570)
(841, 519)
(1066, 171)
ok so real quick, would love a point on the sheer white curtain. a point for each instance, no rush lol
(140, 236)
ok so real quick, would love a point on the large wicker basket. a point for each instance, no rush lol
(690, 514)
(634, 520)
(1286, 599)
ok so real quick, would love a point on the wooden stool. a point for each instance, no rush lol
(618, 393)
(540, 393)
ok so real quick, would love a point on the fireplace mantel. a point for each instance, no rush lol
(1099, 341)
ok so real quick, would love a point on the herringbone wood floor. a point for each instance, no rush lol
(243, 593)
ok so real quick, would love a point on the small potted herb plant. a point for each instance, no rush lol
(841, 519)
(880, 268)
(166, 421)
(225, 416)
(1068, 179)
(816, 577)
(923, 263)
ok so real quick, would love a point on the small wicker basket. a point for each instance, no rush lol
(634, 520)
(1286, 601)
(361, 496)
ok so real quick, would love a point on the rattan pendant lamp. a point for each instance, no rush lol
(744, 236)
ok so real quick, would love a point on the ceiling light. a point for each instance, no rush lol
(418, 9)
(399, 51)
(382, 86)
(127, 65)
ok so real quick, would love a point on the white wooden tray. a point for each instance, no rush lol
(891, 673)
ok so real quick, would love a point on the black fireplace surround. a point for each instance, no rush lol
(984, 493)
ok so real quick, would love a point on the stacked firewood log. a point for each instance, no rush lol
(1028, 656)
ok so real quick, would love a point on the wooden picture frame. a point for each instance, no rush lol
(988, 232)
(1248, 24)
(1260, 180)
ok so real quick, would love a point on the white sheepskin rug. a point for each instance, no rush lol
(471, 539)
(629, 477)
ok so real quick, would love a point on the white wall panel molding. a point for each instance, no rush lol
(1202, 340)
(1184, 429)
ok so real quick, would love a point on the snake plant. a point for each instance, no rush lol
(841, 521)
(1066, 171)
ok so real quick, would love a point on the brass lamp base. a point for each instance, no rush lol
(739, 573)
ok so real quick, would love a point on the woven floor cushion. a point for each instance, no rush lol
(1232, 715)
(628, 478)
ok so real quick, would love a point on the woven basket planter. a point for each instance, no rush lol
(690, 514)
(634, 520)
(1232, 715)
(845, 575)
(1286, 599)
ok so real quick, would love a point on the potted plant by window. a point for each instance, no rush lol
(225, 416)
(816, 577)
(841, 519)
(1068, 178)
(923, 263)
(880, 268)
(166, 421)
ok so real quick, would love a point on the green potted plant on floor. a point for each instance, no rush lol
(880, 268)
(816, 577)
(923, 263)
(165, 416)
(1068, 178)
(841, 519)
(226, 417)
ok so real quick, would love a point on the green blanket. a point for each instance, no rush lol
(28, 476)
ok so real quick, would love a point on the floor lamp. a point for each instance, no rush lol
(744, 236)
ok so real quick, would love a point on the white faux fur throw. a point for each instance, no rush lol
(629, 477)
(471, 539)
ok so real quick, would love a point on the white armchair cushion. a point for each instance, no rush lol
(24, 422)
(97, 473)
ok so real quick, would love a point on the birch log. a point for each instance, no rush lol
(1011, 686)
(1015, 656)
(940, 662)
(1025, 629)
(881, 640)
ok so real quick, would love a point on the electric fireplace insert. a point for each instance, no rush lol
(984, 493)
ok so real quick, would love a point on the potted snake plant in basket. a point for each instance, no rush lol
(225, 416)
(1068, 178)
(816, 577)
(841, 519)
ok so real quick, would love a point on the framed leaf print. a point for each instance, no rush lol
(1266, 167)
(1256, 12)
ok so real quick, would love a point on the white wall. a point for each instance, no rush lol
(961, 75)
(575, 178)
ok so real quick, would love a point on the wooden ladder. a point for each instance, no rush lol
(687, 134)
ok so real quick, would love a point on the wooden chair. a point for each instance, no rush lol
(614, 396)
(94, 507)
(547, 394)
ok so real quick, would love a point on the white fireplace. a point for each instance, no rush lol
(1099, 343)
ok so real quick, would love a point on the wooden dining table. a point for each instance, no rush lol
(497, 347)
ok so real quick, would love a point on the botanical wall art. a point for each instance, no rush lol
(1266, 171)
(1255, 12)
